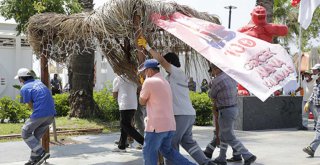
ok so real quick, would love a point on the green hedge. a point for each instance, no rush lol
(13, 110)
(108, 106)
(62, 104)
(109, 111)
(203, 106)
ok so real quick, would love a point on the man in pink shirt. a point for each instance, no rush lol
(160, 123)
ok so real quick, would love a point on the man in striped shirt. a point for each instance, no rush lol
(315, 100)
(223, 89)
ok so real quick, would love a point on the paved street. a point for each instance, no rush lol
(272, 147)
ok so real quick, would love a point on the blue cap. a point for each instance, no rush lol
(150, 63)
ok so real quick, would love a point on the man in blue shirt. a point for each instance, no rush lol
(39, 98)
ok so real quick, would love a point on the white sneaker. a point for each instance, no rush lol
(139, 147)
(119, 150)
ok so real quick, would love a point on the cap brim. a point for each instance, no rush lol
(16, 77)
(141, 68)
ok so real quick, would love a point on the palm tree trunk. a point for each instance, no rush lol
(81, 78)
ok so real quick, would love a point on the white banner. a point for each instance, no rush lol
(257, 65)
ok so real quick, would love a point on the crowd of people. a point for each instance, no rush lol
(178, 115)
(162, 111)
(163, 114)
(159, 114)
(169, 114)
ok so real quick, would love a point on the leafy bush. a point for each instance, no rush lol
(62, 104)
(108, 106)
(13, 110)
(203, 106)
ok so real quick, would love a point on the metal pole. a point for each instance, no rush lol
(229, 24)
(230, 11)
(300, 56)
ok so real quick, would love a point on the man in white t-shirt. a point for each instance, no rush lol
(184, 112)
(307, 86)
(125, 92)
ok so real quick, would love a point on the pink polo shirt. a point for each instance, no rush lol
(160, 118)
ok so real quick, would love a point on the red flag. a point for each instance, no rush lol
(294, 3)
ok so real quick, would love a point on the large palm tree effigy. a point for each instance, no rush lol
(114, 28)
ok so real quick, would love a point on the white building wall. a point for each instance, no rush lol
(104, 72)
(10, 61)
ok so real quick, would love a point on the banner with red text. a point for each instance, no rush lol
(257, 65)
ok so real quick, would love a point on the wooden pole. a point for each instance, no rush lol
(45, 80)
(54, 130)
(137, 28)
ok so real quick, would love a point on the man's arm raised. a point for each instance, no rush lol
(163, 62)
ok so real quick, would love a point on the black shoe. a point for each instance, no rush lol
(43, 157)
(208, 154)
(219, 162)
(250, 160)
(30, 162)
(210, 148)
(235, 159)
(303, 128)
(309, 151)
(117, 143)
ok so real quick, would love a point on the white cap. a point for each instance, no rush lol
(23, 72)
(316, 66)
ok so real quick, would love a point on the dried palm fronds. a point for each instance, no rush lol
(114, 28)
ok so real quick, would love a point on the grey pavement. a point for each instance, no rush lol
(272, 147)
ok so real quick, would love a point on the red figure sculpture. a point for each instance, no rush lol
(259, 28)
(242, 91)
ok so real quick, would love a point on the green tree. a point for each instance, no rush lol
(81, 98)
(22, 10)
(286, 14)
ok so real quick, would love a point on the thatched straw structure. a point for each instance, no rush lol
(114, 28)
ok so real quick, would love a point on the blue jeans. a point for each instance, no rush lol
(155, 142)
(316, 141)
(305, 115)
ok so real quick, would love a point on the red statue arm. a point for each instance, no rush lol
(277, 29)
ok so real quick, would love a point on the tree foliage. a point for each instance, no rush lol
(22, 10)
(286, 14)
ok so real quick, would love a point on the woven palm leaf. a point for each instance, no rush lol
(114, 28)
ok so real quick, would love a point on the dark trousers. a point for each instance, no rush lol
(55, 91)
(126, 117)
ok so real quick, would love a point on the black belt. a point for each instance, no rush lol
(225, 107)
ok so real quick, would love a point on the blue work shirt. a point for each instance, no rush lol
(36, 92)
